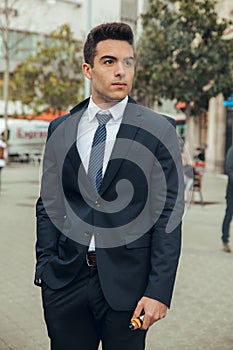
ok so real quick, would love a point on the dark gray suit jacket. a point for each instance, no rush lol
(137, 229)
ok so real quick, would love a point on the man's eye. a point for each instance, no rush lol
(108, 62)
(129, 62)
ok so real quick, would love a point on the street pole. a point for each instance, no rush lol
(87, 83)
(7, 70)
(6, 99)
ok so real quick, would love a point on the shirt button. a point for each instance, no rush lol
(97, 204)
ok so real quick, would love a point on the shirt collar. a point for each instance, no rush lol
(116, 111)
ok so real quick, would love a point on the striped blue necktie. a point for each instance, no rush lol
(95, 167)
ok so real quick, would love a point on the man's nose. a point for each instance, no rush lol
(120, 69)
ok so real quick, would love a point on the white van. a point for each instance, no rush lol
(26, 138)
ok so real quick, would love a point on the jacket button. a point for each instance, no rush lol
(87, 234)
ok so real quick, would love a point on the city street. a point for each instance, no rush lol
(201, 315)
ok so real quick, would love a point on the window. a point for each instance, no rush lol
(22, 44)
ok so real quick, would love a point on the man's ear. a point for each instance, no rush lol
(87, 71)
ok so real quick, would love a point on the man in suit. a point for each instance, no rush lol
(110, 209)
(229, 201)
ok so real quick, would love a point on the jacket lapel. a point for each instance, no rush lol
(70, 133)
(70, 138)
(130, 125)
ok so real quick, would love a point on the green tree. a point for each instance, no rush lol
(53, 76)
(182, 54)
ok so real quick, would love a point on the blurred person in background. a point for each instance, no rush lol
(229, 201)
(199, 154)
(188, 177)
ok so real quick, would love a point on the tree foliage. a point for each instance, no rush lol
(53, 76)
(182, 54)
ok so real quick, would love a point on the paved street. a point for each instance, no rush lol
(201, 317)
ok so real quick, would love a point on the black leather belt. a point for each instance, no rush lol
(91, 258)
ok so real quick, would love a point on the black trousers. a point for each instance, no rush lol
(79, 318)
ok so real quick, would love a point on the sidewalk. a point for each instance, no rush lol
(201, 317)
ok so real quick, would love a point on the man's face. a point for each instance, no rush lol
(112, 72)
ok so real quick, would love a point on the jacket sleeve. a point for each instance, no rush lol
(50, 211)
(166, 237)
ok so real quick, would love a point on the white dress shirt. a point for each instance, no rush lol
(87, 128)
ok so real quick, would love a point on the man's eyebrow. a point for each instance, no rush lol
(115, 58)
(107, 56)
